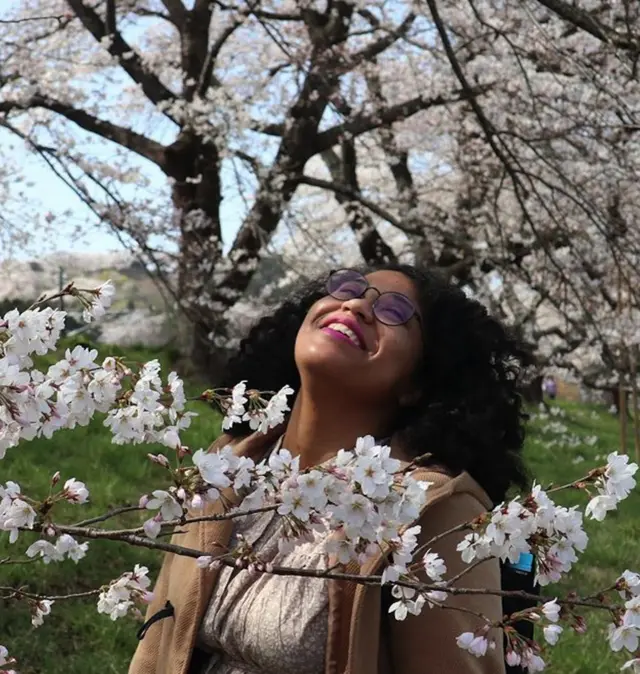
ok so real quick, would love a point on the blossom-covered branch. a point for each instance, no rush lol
(364, 501)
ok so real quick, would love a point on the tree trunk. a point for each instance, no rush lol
(532, 390)
(196, 195)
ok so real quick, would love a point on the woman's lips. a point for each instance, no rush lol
(347, 326)
(340, 336)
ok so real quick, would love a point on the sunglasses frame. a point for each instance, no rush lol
(380, 294)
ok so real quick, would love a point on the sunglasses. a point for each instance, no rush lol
(389, 308)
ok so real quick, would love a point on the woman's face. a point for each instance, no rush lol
(378, 365)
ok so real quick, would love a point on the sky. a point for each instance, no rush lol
(51, 195)
(45, 193)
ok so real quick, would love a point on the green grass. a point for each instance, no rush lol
(614, 545)
(75, 639)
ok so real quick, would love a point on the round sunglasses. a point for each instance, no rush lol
(390, 308)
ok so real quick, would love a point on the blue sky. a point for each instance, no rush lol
(45, 193)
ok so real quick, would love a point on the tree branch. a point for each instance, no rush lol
(394, 113)
(373, 248)
(355, 196)
(131, 62)
(588, 23)
(206, 74)
(139, 541)
(177, 12)
(398, 162)
(506, 156)
(321, 82)
(371, 51)
(276, 129)
(141, 145)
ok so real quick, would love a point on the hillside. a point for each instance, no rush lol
(560, 447)
(138, 315)
(142, 312)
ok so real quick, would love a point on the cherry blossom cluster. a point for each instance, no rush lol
(151, 412)
(613, 485)
(360, 497)
(33, 403)
(624, 632)
(520, 652)
(139, 407)
(39, 609)
(65, 545)
(18, 511)
(554, 533)
(251, 407)
(122, 594)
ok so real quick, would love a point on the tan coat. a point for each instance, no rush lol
(357, 642)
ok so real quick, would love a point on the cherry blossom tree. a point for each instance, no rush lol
(495, 139)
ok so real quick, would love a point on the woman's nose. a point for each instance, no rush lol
(362, 306)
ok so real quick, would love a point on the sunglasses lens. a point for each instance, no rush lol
(393, 309)
(346, 284)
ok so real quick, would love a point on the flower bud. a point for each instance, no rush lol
(160, 459)
(512, 658)
(144, 499)
(147, 597)
(580, 625)
(55, 479)
(109, 364)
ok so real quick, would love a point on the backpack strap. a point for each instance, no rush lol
(519, 576)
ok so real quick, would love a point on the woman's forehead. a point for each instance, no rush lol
(393, 281)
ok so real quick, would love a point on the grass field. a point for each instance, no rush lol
(75, 639)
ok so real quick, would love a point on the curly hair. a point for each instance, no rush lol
(470, 413)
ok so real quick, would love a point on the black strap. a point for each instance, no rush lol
(515, 577)
(166, 612)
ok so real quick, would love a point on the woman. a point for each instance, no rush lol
(404, 356)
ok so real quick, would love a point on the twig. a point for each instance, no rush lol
(466, 570)
(321, 573)
(8, 560)
(108, 515)
(66, 529)
(12, 591)
(434, 539)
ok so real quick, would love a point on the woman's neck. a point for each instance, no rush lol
(320, 426)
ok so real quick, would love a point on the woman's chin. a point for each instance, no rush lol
(334, 362)
(328, 351)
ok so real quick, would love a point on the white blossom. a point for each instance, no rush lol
(169, 508)
(476, 645)
(41, 608)
(551, 610)
(75, 491)
(552, 633)
(434, 566)
(213, 468)
(117, 599)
